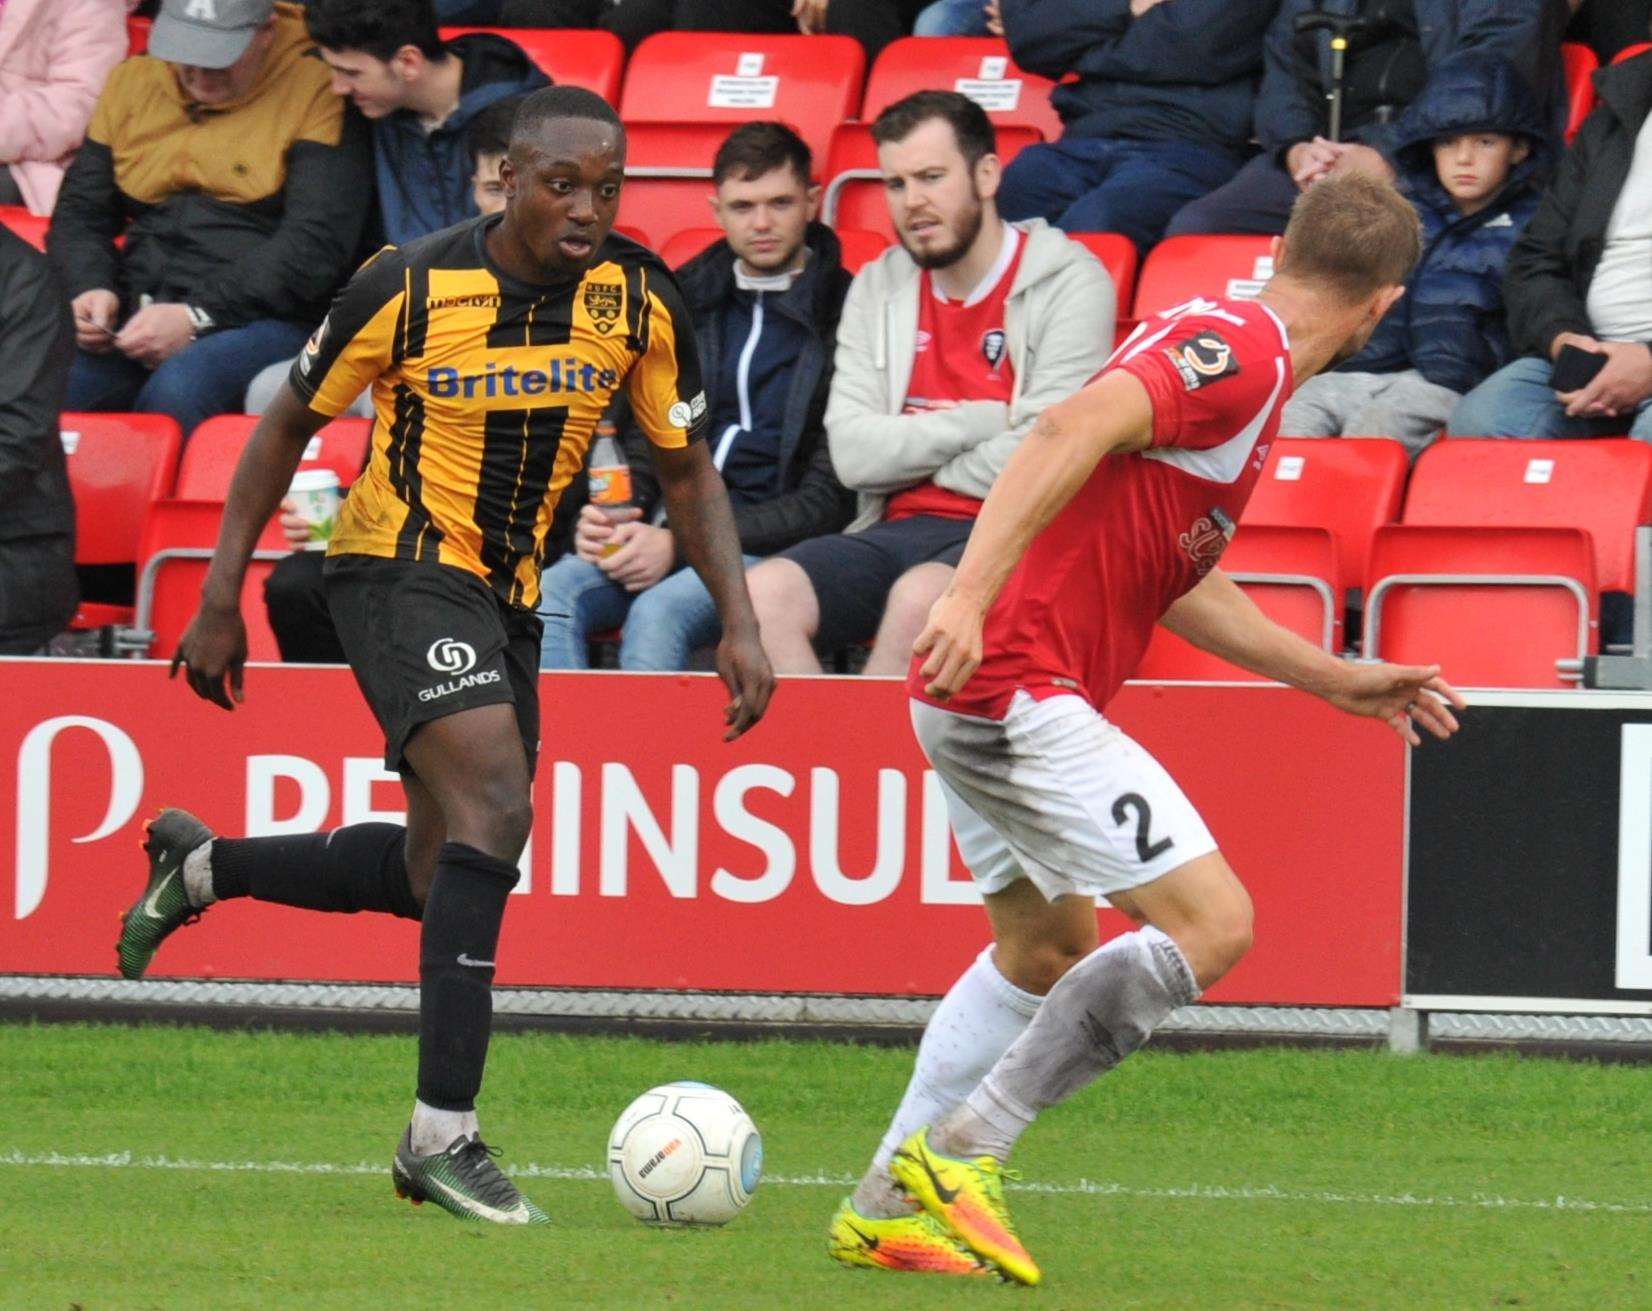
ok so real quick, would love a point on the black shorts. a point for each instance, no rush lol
(429, 640)
(852, 573)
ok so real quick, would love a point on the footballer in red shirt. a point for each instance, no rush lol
(1109, 518)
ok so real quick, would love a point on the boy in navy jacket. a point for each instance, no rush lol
(1472, 152)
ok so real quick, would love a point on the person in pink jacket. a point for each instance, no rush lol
(54, 57)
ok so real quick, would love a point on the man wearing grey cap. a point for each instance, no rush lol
(240, 183)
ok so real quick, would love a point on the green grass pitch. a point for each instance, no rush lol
(168, 1168)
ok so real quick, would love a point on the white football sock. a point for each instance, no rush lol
(974, 1023)
(1103, 1008)
(198, 877)
(435, 1130)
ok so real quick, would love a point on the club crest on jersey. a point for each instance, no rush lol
(1207, 539)
(602, 303)
(992, 347)
(1202, 360)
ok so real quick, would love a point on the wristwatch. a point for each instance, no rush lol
(199, 320)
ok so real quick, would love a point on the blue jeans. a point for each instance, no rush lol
(1089, 184)
(205, 378)
(1517, 401)
(660, 628)
(952, 18)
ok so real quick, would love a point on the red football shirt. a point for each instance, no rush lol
(962, 354)
(1079, 609)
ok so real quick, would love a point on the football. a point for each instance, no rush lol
(685, 1154)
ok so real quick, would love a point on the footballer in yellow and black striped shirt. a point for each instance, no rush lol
(486, 391)
(491, 348)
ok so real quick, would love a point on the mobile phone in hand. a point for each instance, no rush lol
(1575, 368)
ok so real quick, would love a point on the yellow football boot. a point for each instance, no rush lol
(915, 1242)
(967, 1197)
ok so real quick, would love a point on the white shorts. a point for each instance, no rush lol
(1056, 794)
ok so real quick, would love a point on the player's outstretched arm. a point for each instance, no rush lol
(214, 646)
(1113, 414)
(697, 508)
(1217, 616)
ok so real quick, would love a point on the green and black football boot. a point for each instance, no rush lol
(462, 1180)
(165, 905)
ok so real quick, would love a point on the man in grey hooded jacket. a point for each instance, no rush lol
(950, 346)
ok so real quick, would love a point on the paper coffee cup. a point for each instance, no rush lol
(314, 493)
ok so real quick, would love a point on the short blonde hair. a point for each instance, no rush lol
(1353, 234)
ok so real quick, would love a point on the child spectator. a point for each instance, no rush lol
(1471, 154)
(488, 140)
(54, 58)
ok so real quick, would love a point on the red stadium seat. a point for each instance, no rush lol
(137, 36)
(668, 177)
(1493, 607)
(1180, 269)
(860, 248)
(568, 56)
(215, 448)
(1601, 487)
(978, 67)
(1349, 487)
(854, 190)
(1632, 52)
(31, 227)
(1290, 573)
(1118, 256)
(119, 466)
(683, 246)
(177, 544)
(1580, 63)
(632, 234)
(811, 82)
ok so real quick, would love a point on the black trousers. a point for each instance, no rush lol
(874, 23)
(297, 607)
(1610, 25)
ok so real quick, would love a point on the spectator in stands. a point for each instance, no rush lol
(421, 95)
(37, 514)
(765, 302)
(1392, 54)
(1610, 26)
(959, 18)
(874, 23)
(1472, 152)
(489, 138)
(1581, 276)
(1159, 115)
(951, 345)
(239, 182)
(54, 57)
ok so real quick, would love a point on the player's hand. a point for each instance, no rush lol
(155, 334)
(95, 313)
(294, 526)
(213, 646)
(1622, 384)
(951, 644)
(594, 529)
(744, 669)
(1402, 696)
(995, 20)
(645, 555)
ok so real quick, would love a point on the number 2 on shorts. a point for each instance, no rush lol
(1146, 848)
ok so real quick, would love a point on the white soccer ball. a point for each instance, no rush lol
(685, 1153)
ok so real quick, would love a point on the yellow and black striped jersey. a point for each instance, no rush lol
(486, 391)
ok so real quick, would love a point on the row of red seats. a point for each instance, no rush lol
(1490, 562)
(138, 503)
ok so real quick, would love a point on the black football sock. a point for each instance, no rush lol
(361, 867)
(462, 915)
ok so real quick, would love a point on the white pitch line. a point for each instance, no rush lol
(1083, 1187)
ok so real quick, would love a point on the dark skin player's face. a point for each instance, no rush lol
(562, 193)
